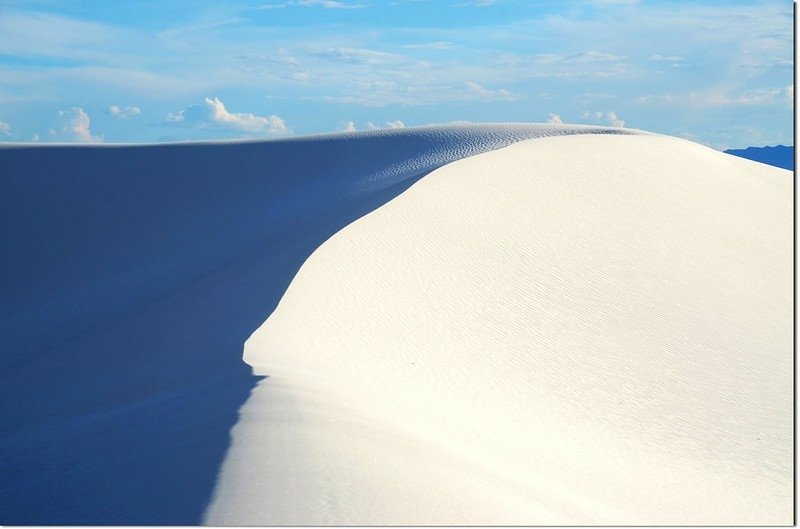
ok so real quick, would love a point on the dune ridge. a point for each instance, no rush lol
(567, 330)
(133, 274)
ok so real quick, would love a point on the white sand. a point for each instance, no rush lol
(579, 329)
(131, 277)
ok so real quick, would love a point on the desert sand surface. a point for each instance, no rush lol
(583, 329)
(132, 276)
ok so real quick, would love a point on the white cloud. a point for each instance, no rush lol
(330, 4)
(485, 94)
(388, 125)
(764, 96)
(123, 112)
(583, 64)
(327, 4)
(5, 128)
(358, 56)
(716, 97)
(592, 56)
(614, 2)
(477, 3)
(382, 93)
(666, 58)
(656, 98)
(610, 117)
(591, 98)
(555, 119)
(614, 121)
(35, 137)
(347, 126)
(438, 45)
(213, 114)
(277, 66)
(77, 126)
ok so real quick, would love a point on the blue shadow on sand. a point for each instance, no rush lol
(131, 277)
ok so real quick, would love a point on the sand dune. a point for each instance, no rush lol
(132, 275)
(583, 329)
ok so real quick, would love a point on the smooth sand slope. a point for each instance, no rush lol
(583, 329)
(131, 277)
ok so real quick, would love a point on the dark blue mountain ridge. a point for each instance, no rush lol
(780, 155)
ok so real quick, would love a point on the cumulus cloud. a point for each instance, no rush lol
(347, 126)
(35, 137)
(614, 121)
(5, 128)
(387, 125)
(123, 112)
(555, 119)
(609, 117)
(77, 126)
(213, 114)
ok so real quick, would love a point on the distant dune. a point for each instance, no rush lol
(779, 156)
(570, 330)
(132, 276)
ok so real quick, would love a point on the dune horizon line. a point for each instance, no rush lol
(133, 275)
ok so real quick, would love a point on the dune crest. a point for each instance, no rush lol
(581, 329)
(133, 274)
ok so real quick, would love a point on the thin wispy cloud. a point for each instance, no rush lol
(668, 58)
(440, 45)
(358, 55)
(477, 3)
(482, 93)
(613, 2)
(721, 97)
(379, 94)
(327, 4)
(123, 112)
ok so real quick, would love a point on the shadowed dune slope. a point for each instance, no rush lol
(131, 277)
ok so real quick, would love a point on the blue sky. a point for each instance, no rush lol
(719, 73)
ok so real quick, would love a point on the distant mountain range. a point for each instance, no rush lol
(779, 156)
